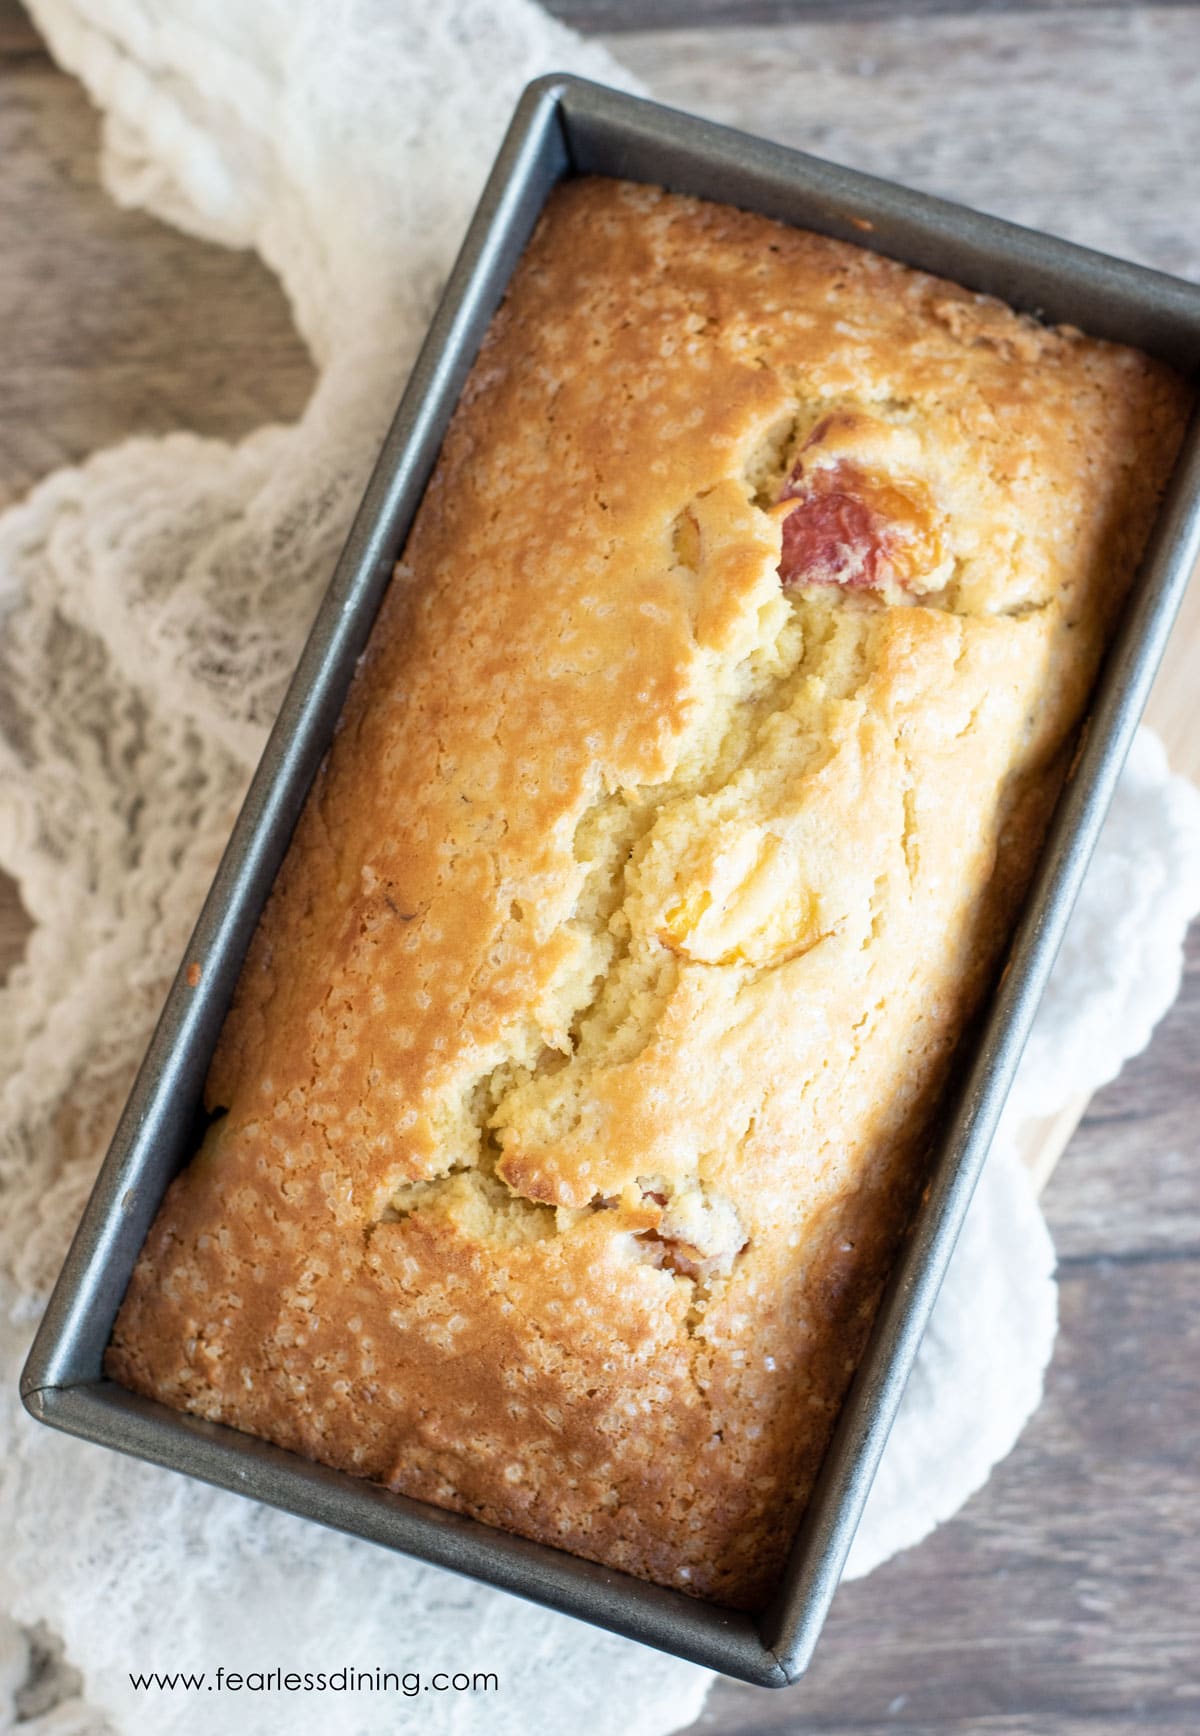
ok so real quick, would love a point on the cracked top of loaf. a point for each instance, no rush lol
(579, 1079)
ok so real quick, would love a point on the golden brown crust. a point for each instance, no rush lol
(579, 1077)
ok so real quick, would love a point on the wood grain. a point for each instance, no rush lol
(594, 16)
(18, 38)
(1084, 124)
(111, 324)
(1066, 1597)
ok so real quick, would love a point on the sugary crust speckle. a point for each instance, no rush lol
(580, 1076)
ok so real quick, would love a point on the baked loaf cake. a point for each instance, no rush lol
(579, 1082)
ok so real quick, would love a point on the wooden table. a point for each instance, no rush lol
(1067, 1596)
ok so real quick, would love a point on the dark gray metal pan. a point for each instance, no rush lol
(565, 126)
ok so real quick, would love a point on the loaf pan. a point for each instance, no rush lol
(564, 126)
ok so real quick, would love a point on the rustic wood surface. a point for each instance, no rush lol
(627, 17)
(1067, 1596)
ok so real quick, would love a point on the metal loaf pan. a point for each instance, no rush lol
(564, 126)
